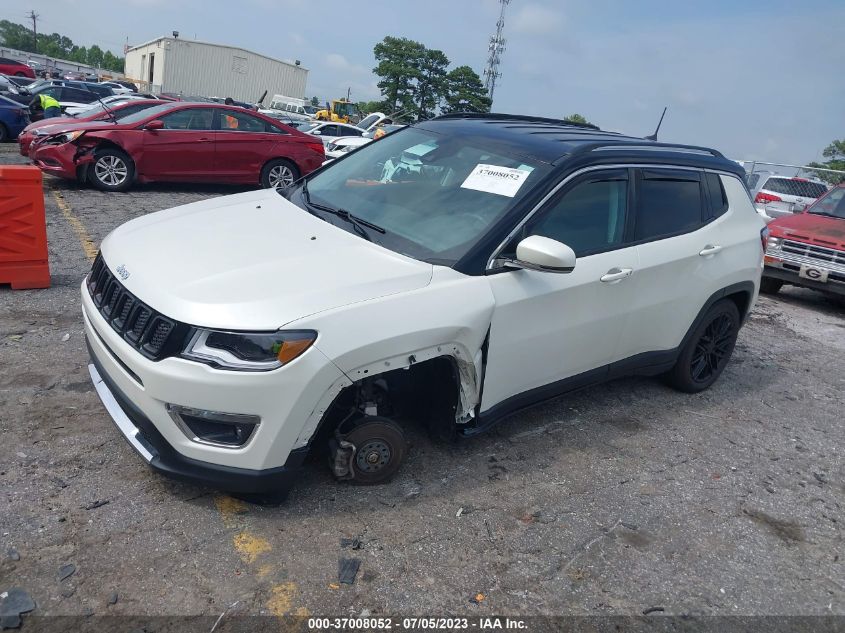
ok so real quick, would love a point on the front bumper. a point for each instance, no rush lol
(24, 143)
(289, 402)
(143, 436)
(787, 267)
(57, 160)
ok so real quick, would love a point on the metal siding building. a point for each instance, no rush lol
(194, 68)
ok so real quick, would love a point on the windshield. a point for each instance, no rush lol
(367, 122)
(153, 112)
(833, 204)
(434, 195)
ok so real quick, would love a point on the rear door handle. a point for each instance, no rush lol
(710, 249)
(615, 275)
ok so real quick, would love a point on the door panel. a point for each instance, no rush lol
(680, 259)
(242, 145)
(183, 150)
(547, 326)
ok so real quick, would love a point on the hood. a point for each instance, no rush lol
(252, 261)
(47, 122)
(811, 228)
(67, 125)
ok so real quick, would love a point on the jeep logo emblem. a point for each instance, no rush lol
(121, 270)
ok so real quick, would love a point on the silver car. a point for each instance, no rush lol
(776, 195)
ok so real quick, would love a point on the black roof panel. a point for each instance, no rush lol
(550, 140)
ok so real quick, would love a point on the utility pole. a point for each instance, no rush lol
(34, 17)
(496, 48)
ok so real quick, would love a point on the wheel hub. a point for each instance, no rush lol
(373, 456)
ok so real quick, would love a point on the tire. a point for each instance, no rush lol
(380, 448)
(708, 349)
(279, 174)
(112, 170)
(770, 286)
(4, 133)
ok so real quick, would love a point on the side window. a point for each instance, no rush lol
(718, 197)
(57, 92)
(80, 96)
(752, 180)
(189, 119)
(351, 131)
(669, 203)
(589, 217)
(232, 120)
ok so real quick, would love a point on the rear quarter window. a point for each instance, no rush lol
(716, 191)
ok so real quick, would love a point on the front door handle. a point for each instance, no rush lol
(710, 249)
(615, 275)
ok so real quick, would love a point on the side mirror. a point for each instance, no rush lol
(544, 254)
(157, 124)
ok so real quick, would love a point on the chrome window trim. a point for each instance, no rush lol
(491, 261)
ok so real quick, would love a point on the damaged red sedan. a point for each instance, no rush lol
(181, 142)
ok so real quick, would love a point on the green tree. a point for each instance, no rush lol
(465, 92)
(577, 118)
(835, 153)
(95, 56)
(431, 82)
(399, 60)
(368, 107)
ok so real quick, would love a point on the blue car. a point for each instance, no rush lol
(14, 117)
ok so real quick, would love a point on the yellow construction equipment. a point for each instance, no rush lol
(339, 111)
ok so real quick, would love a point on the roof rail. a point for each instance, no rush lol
(498, 116)
(647, 145)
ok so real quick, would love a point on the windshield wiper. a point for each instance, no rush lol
(357, 223)
(825, 213)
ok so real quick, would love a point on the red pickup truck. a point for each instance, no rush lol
(808, 249)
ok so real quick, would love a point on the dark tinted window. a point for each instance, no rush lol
(669, 203)
(795, 187)
(189, 119)
(588, 218)
(718, 197)
(240, 121)
(77, 95)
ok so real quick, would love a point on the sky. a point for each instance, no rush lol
(755, 79)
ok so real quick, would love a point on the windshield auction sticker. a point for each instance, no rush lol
(504, 181)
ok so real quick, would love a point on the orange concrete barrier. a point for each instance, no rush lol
(23, 228)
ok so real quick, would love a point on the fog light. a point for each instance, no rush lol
(230, 430)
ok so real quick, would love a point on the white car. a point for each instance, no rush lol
(328, 131)
(337, 147)
(117, 88)
(73, 110)
(447, 276)
(776, 196)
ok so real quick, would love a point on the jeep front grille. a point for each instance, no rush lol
(151, 333)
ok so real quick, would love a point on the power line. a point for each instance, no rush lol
(496, 48)
(34, 17)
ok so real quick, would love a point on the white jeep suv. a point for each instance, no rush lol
(446, 275)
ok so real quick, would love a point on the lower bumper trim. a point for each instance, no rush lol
(143, 436)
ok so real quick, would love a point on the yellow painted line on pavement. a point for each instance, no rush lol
(76, 224)
(255, 551)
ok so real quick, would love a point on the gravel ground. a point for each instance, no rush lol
(611, 501)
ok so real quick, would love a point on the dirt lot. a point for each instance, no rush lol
(611, 501)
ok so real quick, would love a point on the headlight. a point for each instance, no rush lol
(774, 242)
(67, 137)
(248, 351)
